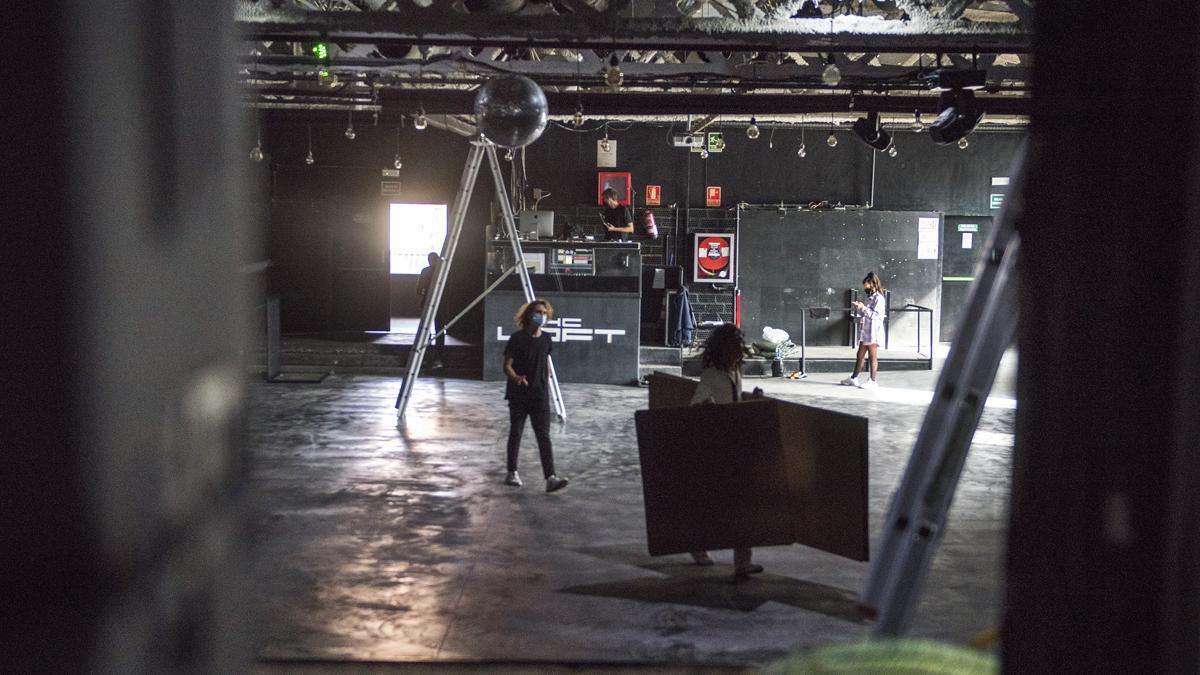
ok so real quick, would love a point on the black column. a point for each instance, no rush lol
(122, 320)
(1100, 576)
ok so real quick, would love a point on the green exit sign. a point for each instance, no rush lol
(968, 227)
(997, 200)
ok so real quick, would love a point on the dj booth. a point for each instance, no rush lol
(595, 288)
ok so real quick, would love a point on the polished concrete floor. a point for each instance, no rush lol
(380, 542)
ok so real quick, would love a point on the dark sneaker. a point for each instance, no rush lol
(745, 571)
(554, 483)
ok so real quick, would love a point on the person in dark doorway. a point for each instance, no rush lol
(721, 382)
(527, 367)
(618, 221)
(423, 284)
(870, 331)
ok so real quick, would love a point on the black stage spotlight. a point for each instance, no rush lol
(869, 131)
(958, 117)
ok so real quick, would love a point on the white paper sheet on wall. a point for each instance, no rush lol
(968, 240)
(927, 238)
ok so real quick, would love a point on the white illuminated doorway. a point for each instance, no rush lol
(415, 230)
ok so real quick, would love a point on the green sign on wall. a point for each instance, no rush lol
(968, 227)
(997, 200)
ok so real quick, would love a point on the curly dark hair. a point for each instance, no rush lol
(725, 348)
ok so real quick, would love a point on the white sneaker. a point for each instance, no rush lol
(512, 479)
(850, 381)
(869, 384)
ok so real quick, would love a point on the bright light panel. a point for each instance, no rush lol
(416, 229)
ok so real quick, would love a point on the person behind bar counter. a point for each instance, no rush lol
(618, 221)
(721, 382)
(527, 367)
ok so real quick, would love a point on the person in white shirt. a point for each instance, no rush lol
(721, 382)
(870, 331)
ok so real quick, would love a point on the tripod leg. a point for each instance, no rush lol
(438, 285)
(510, 227)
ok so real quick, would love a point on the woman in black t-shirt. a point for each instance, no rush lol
(527, 367)
(618, 221)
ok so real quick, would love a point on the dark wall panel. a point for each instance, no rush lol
(321, 207)
(923, 177)
(797, 260)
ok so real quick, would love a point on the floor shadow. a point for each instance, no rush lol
(683, 583)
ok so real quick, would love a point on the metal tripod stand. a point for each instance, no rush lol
(916, 517)
(479, 148)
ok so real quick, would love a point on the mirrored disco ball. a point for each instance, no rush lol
(511, 111)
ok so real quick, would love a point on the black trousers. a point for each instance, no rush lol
(539, 412)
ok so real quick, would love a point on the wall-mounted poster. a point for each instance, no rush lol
(714, 258)
(617, 180)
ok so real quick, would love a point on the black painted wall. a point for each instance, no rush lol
(320, 202)
(922, 177)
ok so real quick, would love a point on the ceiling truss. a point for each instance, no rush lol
(674, 57)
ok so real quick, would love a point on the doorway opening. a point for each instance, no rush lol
(414, 231)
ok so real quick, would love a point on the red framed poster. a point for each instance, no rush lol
(617, 180)
(714, 258)
(653, 195)
(712, 195)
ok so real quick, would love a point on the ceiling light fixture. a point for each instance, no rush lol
(958, 117)
(421, 121)
(577, 120)
(396, 160)
(831, 140)
(832, 75)
(704, 153)
(918, 125)
(870, 131)
(963, 143)
(350, 125)
(325, 76)
(256, 153)
(752, 131)
(613, 76)
(604, 144)
(309, 159)
(802, 152)
(958, 112)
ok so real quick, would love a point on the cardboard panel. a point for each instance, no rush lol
(825, 455)
(757, 473)
(671, 391)
(706, 488)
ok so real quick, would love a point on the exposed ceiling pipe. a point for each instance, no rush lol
(409, 24)
(624, 103)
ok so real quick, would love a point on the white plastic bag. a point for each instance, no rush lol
(775, 335)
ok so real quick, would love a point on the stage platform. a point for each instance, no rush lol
(829, 360)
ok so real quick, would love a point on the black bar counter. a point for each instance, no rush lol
(595, 288)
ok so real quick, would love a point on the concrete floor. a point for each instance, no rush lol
(382, 543)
